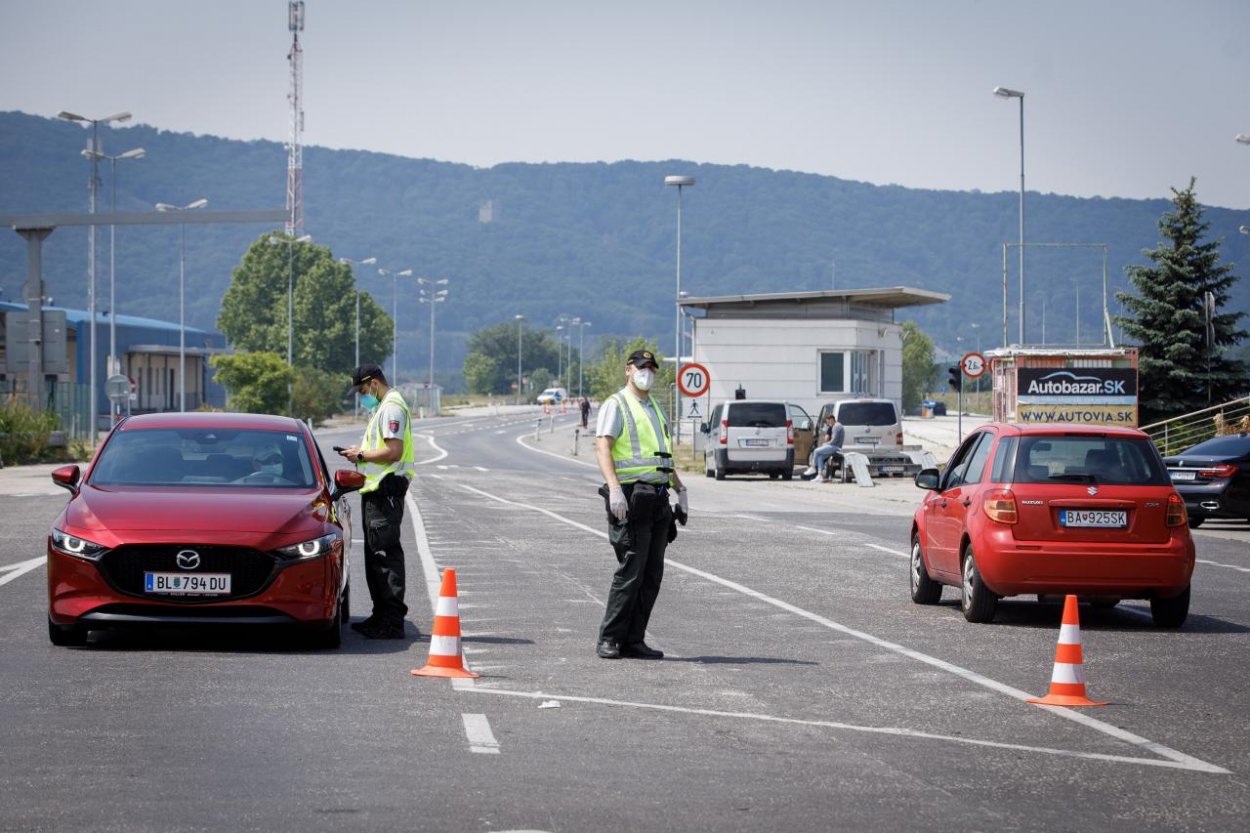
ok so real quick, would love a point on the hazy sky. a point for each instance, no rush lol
(1125, 98)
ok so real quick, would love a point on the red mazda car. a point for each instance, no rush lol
(202, 518)
(1053, 509)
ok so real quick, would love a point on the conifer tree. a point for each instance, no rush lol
(1184, 363)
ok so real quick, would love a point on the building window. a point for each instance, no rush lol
(864, 364)
(833, 372)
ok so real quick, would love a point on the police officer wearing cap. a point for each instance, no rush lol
(634, 451)
(385, 456)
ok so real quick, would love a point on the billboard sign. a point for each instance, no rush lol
(1088, 395)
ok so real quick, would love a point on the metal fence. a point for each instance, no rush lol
(68, 400)
(1173, 436)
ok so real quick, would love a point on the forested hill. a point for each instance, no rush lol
(591, 240)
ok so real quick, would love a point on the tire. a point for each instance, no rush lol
(976, 600)
(1170, 613)
(924, 590)
(706, 471)
(345, 611)
(720, 473)
(332, 637)
(1194, 523)
(66, 636)
(788, 474)
(773, 475)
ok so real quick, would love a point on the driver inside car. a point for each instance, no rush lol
(267, 459)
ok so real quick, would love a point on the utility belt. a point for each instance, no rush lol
(392, 485)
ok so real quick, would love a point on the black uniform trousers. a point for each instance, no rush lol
(639, 543)
(383, 511)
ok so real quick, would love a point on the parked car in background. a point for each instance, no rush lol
(552, 396)
(749, 435)
(1053, 509)
(1213, 477)
(871, 424)
(202, 519)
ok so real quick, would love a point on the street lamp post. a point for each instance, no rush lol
(366, 262)
(92, 153)
(395, 276)
(136, 153)
(432, 297)
(1003, 92)
(520, 320)
(581, 353)
(680, 182)
(182, 294)
(274, 240)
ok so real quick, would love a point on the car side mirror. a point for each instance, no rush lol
(928, 478)
(67, 478)
(347, 480)
(703, 429)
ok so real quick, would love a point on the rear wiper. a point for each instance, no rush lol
(1073, 478)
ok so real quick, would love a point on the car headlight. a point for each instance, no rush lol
(314, 548)
(68, 544)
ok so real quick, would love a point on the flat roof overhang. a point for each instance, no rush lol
(832, 300)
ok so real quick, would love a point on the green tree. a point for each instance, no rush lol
(1184, 363)
(253, 313)
(255, 383)
(318, 394)
(606, 376)
(491, 361)
(919, 369)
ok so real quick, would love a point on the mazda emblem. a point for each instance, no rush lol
(188, 559)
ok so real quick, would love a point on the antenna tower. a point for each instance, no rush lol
(295, 148)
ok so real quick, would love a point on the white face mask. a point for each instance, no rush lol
(644, 377)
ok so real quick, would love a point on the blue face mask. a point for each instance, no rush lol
(369, 401)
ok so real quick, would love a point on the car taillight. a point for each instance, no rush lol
(1218, 470)
(1176, 511)
(898, 438)
(789, 432)
(1000, 506)
(724, 432)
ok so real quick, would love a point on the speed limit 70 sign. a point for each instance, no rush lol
(973, 365)
(693, 380)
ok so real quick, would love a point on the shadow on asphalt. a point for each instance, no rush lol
(236, 639)
(1047, 615)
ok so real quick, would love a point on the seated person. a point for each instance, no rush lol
(832, 436)
(267, 464)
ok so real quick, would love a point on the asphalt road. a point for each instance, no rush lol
(801, 691)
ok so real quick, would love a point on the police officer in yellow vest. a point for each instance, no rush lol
(386, 457)
(634, 451)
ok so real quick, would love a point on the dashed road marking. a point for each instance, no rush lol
(1225, 566)
(477, 730)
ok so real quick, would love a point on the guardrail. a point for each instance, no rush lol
(1174, 435)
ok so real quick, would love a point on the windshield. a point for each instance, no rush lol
(204, 457)
(757, 415)
(867, 413)
(1089, 459)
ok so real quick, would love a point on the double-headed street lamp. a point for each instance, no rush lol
(581, 355)
(679, 182)
(1003, 92)
(395, 276)
(432, 297)
(369, 261)
(92, 153)
(520, 320)
(275, 240)
(182, 283)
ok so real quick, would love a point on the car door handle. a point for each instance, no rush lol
(967, 502)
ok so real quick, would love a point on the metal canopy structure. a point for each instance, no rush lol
(828, 303)
(33, 228)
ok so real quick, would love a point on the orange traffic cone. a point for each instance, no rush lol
(445, 659)
(1067, 682)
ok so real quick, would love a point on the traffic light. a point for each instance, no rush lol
(956, 374)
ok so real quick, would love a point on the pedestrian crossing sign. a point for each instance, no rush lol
(694, 409)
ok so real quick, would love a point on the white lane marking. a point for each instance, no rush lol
(1225, 566)
(441, 452)
(20, 568)
(477, 730)
(850, 727)
(1182, 760)
(481, 468)
(844, 535)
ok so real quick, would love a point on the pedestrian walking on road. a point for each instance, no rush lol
(584, 406)
(386, 457)
(634, 451)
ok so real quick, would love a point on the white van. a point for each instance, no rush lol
(553, 396)
(871, 424)
(747, 435)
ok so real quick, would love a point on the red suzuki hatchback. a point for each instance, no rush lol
(1053, 509)
(202, 518)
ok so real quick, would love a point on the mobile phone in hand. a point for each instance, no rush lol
(338, 448)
